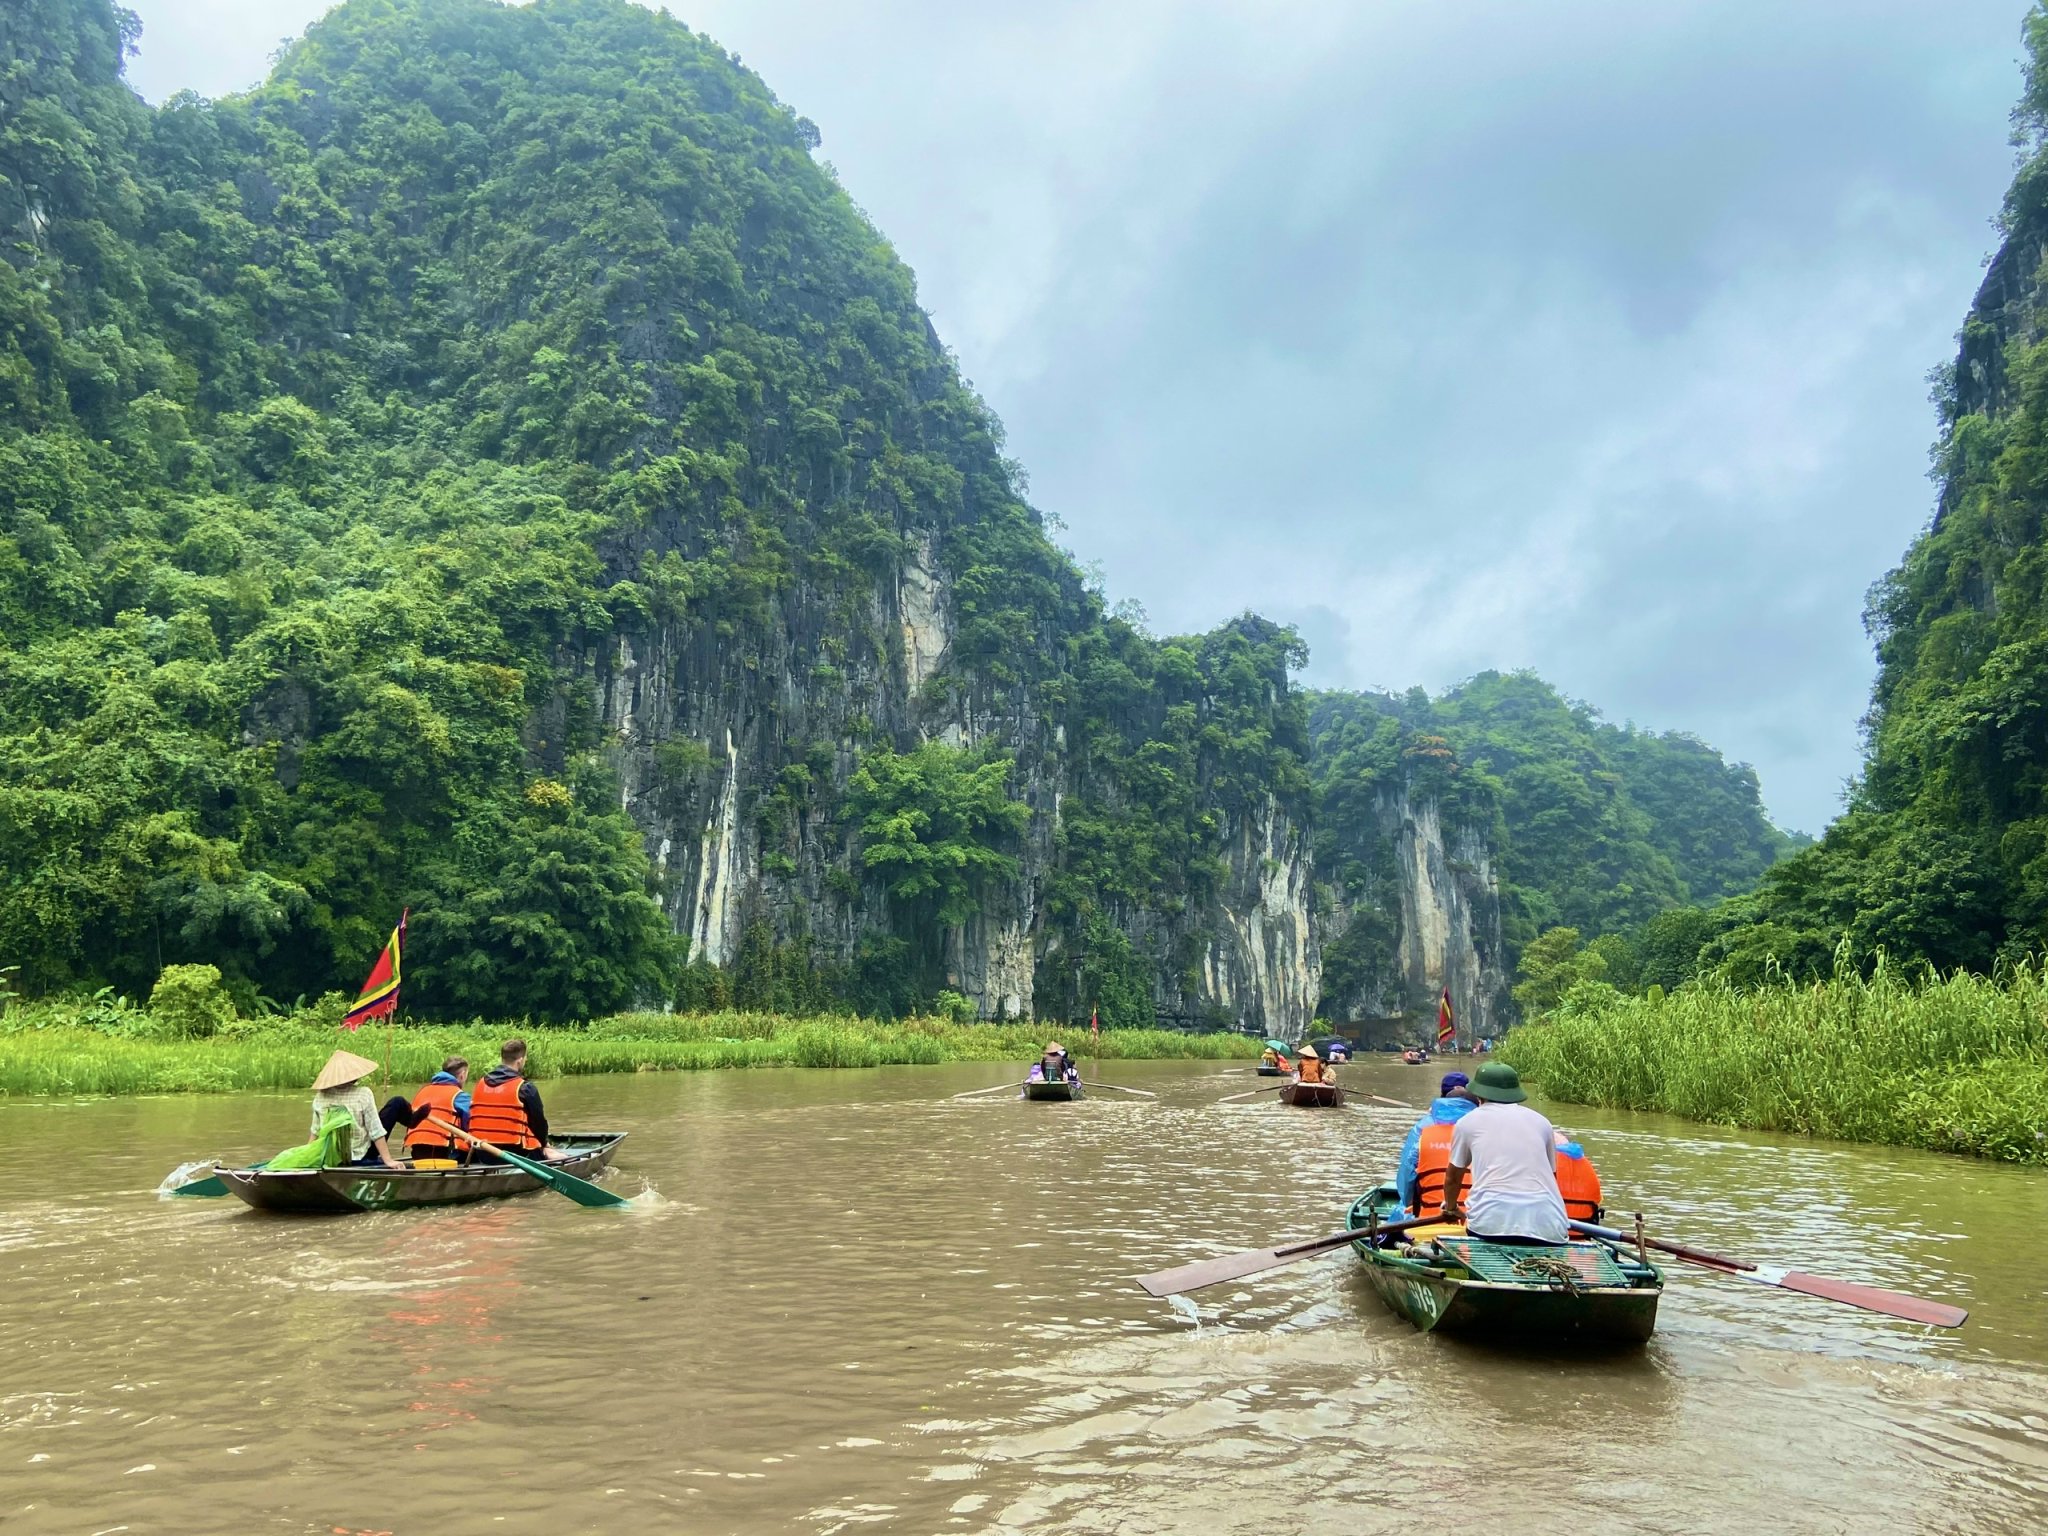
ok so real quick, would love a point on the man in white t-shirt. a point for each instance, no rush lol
(1507, 1147)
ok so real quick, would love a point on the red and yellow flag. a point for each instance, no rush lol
(1446, 1024)
(379, 999)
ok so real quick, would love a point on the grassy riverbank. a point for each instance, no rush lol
(1955, 1065)
(50, 1049)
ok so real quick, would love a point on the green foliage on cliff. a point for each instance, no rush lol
(340, 420)
(937, 825)
(1596, 827)
(347, 427)
(1179, 745)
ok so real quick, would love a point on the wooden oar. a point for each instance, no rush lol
(1870, 1298)
(977, 1092)
(582, 1191)
(1114, 1088)
(1391, 1103)
(1269, 1088)
(1192, 1277)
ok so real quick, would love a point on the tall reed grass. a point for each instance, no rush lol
(47, 1050)
(1957, 1064)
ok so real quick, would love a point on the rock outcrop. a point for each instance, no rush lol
(1422, 915)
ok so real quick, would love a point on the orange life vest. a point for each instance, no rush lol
(497, 1116)
(1432, 1161)
(438, 1099)
(1580, 1186)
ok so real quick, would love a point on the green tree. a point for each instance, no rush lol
(1552, 964)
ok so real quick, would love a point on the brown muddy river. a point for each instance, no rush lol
(858, 1306)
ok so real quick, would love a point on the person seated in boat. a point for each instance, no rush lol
(1578, 1182)
(1055, 1066)
(1337, 1050)
(505, 1108)
(341, 1085)
(1504, 1148)
(1309, 1068)
(445, 1096)
(1277, 1059)
(1427, 1151)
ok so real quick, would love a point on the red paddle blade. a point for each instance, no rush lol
(1869, 1297)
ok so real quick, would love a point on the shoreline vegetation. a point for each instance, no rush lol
(1950, 1064)
(57, 1049)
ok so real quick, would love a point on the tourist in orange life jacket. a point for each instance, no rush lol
(505, 1109)
(1452, 1103)
(442, 1098)
(1577, 1180)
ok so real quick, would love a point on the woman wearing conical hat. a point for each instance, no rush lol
(341, 1085)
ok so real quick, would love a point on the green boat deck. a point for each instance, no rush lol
(1543, 1296)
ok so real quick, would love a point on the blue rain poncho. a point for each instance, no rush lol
(1441, 1112)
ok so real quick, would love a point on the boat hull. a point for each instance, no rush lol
(1313, 1095)
(1443, 1298)
(341, 1191)
(1052, 1093)
(1266, 1071)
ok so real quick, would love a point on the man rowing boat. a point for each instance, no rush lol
(1507, 1148)
(1055, 1066)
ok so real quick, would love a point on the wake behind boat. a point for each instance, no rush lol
(341, 1190)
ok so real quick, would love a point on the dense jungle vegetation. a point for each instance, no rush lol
(347, 427)
(1606, 832)
(343, 422)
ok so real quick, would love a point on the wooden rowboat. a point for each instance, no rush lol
(337, 1191)
(1444, 1281)
(1053, 1093)
(1415, 1058)
(1266, 1071)
(1312, 1095)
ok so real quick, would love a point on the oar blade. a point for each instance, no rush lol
(1235, 1266)
(1193, 1277)
(583, 1192)
(200, 1189)
(1913, 1309)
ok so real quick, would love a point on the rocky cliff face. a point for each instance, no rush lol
(734, 759)
(1422, 914)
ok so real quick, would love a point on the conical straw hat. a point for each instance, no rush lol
(343, 1067)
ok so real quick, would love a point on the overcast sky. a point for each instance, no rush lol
(1588, 336)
